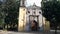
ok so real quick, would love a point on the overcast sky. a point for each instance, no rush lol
(31, 2)
(1, 0)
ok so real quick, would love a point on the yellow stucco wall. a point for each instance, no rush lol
(47, 26)
(22, 19)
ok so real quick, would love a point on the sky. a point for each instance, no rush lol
(1, 0)
(31, 2)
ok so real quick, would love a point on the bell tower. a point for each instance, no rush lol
(22, 3)
(22, 16)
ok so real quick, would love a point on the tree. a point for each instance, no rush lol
(51, 10)
(12, 10)
(9, 12)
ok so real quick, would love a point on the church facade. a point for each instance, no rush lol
(34, 13)
(30, 18)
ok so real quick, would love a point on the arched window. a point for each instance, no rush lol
(28, 11)
(39, 12)
(34, 12)
(23, 9)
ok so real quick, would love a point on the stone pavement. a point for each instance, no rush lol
(12, 32)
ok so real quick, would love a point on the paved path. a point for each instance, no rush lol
(11, 32)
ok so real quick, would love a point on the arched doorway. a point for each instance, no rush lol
(34, 19)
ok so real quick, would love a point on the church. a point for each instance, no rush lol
(34, 13)
(30, 16)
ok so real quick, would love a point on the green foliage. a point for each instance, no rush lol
(1, 21)
(51, 11)
(9, 11)
(13, 8)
